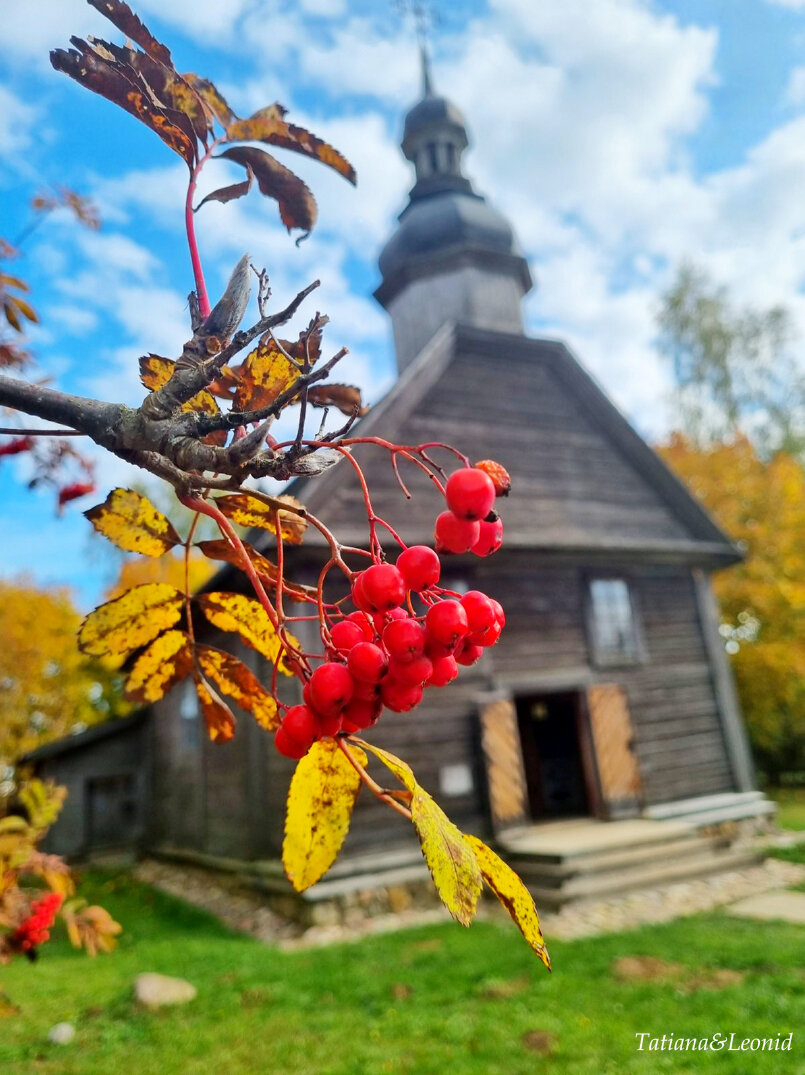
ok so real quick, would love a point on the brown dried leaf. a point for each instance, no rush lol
(220, 549)
(296, 202)
(230, 193)
(124, 87)
(127, 22)
(346, 397)
(268, 125)
(212, 98)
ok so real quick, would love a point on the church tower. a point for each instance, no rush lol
(452, 257)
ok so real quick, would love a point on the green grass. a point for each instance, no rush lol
(790, 807)
(426, 1001)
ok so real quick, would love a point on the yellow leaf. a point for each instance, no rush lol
(264, 375)
(42, 801)
(220, 549)
(451, 861)
(248, 618)
(247, 510)
(323, 791)
(513, 895)
(131, 522)
(156, 371)
(167, 660)
(232, 677)
(132, 620)
(217, 715)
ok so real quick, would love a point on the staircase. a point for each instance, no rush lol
(583, 859)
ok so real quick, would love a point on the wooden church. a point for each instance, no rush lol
(599, 742)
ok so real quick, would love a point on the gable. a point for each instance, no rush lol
(582, 477)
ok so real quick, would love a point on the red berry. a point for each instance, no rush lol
(500, 615)
(383, 587)
(436, 650)
(404, 639)
(479, 609)
(445, 671)
(328, 725)
(345, 635)
(367, 662)
(398, 697)
(414, 673)
(446, 622)
(420, 567)
(453, 534)
(499, 475)
(490, 537)
(331, 688)
(295, 735)
(487, 637)
(359, 598)
(380, 619)
(470, 493)
(468, 654)
(360, 714)
(365, 692)
(365, 624)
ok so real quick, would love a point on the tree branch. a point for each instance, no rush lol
(90, 416)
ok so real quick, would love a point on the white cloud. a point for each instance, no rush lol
(17, 119)
(795, 90)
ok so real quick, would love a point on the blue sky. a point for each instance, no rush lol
(619, 136)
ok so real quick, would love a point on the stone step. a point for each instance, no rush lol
(561, 842)
(593, 886)
(553, 874)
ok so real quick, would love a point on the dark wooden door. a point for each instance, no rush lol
(113, 810)
(549, 733)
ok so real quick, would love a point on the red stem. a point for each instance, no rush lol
(190, 226)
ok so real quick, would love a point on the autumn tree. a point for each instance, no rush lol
(387, 630)
(48, 686)
(742, 415)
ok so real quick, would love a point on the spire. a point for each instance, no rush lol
(427, 79)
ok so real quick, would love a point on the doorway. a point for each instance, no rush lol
(550, 735)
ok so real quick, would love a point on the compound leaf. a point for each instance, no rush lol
(217, 715)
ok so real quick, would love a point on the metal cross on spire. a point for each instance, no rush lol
(424, 17)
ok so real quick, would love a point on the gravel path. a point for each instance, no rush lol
(243, 910)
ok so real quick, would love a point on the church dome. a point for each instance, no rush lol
(442, 222)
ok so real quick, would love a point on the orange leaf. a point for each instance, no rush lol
(217, 714)
(247, 510)
(264, 375)
(345, 397)
(220, 549)
(232, 677)
(268, 125)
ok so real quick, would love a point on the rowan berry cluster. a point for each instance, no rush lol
(35, 929)
(385, 653)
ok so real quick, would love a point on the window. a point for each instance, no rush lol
(433, 159)
(188, 717)
(614, 631)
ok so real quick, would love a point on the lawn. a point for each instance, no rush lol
(790, 807)
(426, 1001)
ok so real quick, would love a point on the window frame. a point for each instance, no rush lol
(600, 658)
